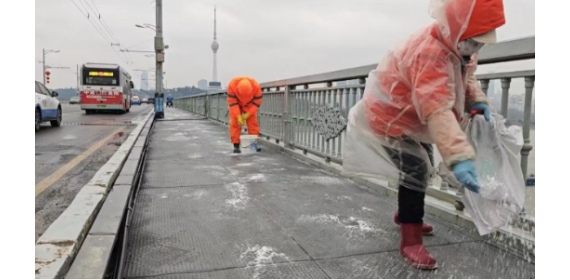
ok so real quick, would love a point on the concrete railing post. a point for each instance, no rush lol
(485, 86)
(208, 102)
(287, 120)
(219, 97)
(505, 85)
(527, 147)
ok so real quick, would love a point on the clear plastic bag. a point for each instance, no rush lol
(502, 193)
(402, 161)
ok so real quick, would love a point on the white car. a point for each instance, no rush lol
(136, 100)
(47, 106)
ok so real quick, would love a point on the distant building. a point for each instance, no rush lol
(213, 86)
(516, 101)
(203, 84)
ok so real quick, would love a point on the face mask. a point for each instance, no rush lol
(468, 47)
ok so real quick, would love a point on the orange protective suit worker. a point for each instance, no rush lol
(417, 96)
(244, 99)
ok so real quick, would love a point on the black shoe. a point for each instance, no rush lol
(258, 150)
(237, 149)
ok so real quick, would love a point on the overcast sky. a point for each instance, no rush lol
(265, 39)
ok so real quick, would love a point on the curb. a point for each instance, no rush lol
(57, 247)
(95, 255)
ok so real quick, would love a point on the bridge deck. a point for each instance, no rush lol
(202, 213)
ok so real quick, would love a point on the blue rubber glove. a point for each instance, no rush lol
(482, 107)
(465, 173)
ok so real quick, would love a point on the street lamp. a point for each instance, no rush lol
(44, 52)
(146, 25)
(56, 67)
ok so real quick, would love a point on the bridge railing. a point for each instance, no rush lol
(288, 105)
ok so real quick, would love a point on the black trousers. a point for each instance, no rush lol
(415, 175)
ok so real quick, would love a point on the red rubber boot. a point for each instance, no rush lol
(427, 229)
(412, 248)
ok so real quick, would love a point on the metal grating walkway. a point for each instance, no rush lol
(202, 213)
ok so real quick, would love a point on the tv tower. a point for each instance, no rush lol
(215, 84)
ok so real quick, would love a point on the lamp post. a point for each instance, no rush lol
(44, 52)
(159, 48)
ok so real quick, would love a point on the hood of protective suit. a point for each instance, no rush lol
(244, 88)
(458, 20)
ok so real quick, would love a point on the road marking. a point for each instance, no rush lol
(47, 182)
(73, 113)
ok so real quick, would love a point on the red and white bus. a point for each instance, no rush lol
(105, 87)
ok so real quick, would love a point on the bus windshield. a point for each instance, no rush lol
(100, 77)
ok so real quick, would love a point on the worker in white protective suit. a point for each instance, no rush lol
(416, 97)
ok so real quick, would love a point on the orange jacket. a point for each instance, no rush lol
(419, 89)
(244, 96)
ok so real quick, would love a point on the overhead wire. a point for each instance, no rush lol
(102, 19)
(86, 14)
(138, 44)
(99, 29)
(107, 29)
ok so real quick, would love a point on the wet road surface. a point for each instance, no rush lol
(58, 147)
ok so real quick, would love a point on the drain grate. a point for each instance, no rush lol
(99, 124)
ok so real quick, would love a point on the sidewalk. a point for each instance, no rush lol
(203, 213)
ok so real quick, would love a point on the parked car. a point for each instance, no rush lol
(135, 100)
(48, 107)
(74, 100)
(144, 100)
(150, 100)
